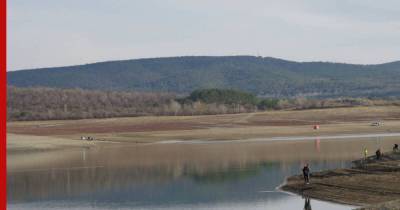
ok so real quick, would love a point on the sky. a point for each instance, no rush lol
(48, 33)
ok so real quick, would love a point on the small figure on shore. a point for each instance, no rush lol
(378, 154)
(365, 153)
(396, 148)
(88, 138)
(306, 174)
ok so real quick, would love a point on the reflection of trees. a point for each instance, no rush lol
(61, 183)
(70, 182)
(185, 182)
(230, 174)
(163, 166)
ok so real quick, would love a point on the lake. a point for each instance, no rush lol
(222, 175)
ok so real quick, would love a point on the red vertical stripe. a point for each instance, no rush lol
(3, 153)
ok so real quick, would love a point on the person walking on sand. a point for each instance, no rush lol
(306, 174)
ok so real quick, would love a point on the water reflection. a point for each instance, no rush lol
(163, 176)
(152, 185)
(317, 145)
(307, 203)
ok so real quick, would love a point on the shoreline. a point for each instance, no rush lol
(17, 143)
(284, 138)
(371, 184)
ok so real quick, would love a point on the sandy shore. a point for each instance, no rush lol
(338, 121)
(29, 143)
(371, 183)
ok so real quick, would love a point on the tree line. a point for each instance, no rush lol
(58, 104)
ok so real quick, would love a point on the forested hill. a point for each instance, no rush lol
(262, 76)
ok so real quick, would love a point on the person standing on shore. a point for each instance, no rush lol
(365, 153)
(378, 154)
(306, 174)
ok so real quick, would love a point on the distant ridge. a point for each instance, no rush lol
(264, 76)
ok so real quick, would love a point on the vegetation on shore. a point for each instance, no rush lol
(58, 104)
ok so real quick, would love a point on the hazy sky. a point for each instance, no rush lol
(44, 33)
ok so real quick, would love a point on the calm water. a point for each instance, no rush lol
(176, 176)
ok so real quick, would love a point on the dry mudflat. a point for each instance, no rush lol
(336, 121)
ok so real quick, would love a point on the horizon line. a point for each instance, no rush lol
(186, 56)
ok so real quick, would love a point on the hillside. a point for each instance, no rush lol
(262, 76)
